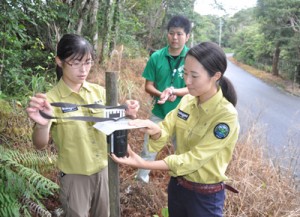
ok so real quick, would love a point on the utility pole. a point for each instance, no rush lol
(220, 31)
(192, 34)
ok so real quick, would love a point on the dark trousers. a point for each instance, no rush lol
(186, 203)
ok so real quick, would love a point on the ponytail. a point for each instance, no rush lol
(59, 72)
(228, 90)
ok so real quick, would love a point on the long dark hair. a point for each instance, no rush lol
(214, 60)
(74, 46)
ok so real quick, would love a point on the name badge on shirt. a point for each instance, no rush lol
(69, 109)
(182, 115)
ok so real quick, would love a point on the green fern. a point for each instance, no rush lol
(37, 160)
(9, 206)
(20, 179)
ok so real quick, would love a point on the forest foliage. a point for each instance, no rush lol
(266, 36)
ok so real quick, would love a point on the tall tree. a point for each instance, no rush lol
(140, 26)
(273, 17)
(115, 24)
(106, 8)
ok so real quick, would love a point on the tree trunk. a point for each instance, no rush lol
(296, 79)
(276, 60)
(105, 30)
(82, 10)
(114, 27)
(154, 22)
(94, 23)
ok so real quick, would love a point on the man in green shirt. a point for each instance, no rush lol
(164, 78)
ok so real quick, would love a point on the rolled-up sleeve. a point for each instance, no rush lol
(167, 130)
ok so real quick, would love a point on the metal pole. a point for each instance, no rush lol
(220, 32)
(113, 168)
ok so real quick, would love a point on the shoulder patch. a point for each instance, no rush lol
(221, 130)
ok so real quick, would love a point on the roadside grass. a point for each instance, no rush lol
(266, 187)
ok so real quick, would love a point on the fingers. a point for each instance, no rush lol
(135, 122)
(139, 123)
(167, 94)
(161, 101)
(146, 126)
(114, 157)
(133, 107)
(131, 159)
(132, 104)
(38, 102)
(122, 160)
(172, 98)
(129, 148)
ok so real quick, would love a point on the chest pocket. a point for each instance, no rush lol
(181, 124)
(66, 113)
(96, 113)
(200, 130)
(181, 129)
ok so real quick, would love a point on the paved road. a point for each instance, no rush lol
(276, 112)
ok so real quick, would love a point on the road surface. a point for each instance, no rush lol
(275, 113)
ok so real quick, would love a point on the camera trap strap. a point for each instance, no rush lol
(64, 105)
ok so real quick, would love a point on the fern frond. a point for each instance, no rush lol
(41, 184)
(9, 206)
(33, 159)
(35, 208)
(16, 179)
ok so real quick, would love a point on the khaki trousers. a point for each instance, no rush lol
(85, 196)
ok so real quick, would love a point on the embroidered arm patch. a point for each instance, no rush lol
(221, 130)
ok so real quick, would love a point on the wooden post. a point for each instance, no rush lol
(111, 79)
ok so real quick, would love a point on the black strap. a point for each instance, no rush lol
(173, 71)
(83, 118)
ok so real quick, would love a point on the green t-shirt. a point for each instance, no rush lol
(160, 70)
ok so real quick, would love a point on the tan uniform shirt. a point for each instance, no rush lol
(206, 135)
(81, 148)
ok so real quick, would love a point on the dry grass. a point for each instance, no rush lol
(265, 190)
